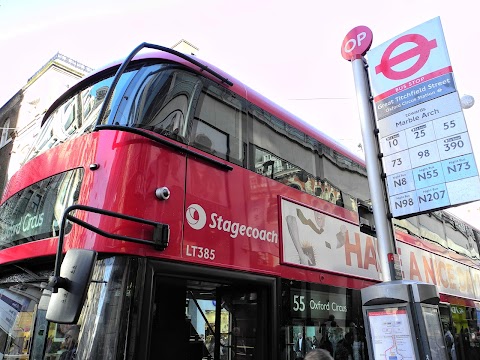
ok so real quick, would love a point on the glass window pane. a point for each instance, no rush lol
(409, 225)
(322, 317)
(198, 320)
(219, 124)
(305, 163)
(36, 212)
(460, 237)
(432, 228)
(160, 99)
(5, 131)
(106, 312)
(18, 309)
(102, 330)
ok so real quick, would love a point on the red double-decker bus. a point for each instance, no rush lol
(167, 211)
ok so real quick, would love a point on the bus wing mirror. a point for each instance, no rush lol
(70, 288)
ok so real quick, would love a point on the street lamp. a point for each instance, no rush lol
(467, 101)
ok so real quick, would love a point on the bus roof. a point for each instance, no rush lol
(238, 87)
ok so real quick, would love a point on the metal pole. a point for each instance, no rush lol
(383, 225)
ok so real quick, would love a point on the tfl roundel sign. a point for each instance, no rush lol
(421, 51)
(409, 58)
(356, 43)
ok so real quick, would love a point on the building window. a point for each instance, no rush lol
(5, 132)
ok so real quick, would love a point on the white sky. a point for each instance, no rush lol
(287, 50)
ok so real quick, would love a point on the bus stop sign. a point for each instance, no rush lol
(422, 50)
(427, 154)
(357, 43)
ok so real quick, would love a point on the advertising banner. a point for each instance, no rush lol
(314, 239)
(451, 277)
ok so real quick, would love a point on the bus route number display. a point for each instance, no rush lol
(317, 304)
(431, 164)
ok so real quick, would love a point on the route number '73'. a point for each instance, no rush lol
(396, 162)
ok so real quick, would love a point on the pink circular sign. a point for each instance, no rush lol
(356, 43)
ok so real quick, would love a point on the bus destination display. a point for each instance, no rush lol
(317, 304)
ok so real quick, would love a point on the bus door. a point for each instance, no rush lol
(197, 313)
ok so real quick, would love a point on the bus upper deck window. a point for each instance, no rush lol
(159, 99)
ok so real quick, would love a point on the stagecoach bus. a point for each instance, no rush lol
(168, 211)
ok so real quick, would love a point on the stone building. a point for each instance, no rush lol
(20, 116)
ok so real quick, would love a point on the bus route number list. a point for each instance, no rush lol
(428, 158)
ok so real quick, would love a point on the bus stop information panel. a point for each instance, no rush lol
(402, 321)
(391, 333)
(427, 155)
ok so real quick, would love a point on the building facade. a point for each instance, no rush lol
(21, 116)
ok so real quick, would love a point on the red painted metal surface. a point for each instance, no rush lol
(131, 168)
(454, 300)
(239, 208)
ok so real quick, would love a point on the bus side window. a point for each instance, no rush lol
(203, 142)
(219, 125)
(283, 153)
(433, 229)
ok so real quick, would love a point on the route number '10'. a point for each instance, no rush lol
(356, 43)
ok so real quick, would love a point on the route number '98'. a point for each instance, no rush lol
(298, 303)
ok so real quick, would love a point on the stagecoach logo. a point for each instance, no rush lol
(196, 216)
(197, 219)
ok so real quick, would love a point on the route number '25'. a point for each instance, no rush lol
(298, 303)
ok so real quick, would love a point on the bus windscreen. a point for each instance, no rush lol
(35, 212)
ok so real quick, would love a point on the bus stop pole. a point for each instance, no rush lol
(383, 224)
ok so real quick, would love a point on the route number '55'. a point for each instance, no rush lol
(298, 303)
